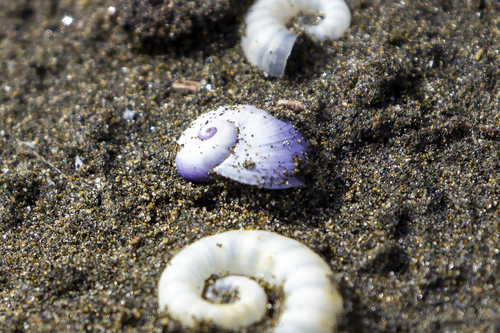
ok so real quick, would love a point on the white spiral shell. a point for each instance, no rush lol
(311, 301)
(268, 43)
(242, 143)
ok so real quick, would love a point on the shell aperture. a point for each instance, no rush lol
(311, 302)
(242, 143)
(268, 43)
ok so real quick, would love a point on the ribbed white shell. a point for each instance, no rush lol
(311, 301)
(258, 148)
(267, 43)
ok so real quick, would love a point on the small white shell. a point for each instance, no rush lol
(311, 301)
(78, 162)
(268, 43)
(242, 143)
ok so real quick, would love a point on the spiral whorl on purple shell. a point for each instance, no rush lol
(242, 143)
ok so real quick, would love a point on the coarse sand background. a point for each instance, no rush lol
(401, 121)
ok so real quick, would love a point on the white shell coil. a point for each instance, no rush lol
(267, 43)
(311, 301)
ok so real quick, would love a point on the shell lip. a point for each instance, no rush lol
(280, 56)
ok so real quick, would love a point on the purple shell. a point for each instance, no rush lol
(242, 143)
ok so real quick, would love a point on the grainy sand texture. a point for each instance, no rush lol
(402, 192)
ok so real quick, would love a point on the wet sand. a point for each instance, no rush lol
(402, 185)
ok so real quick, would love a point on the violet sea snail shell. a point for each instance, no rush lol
(311, 302)
(242, 143)
(268, 43)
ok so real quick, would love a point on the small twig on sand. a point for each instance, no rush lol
(185, 85)
(468, 126)
(291, 104)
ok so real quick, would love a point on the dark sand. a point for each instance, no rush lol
(403, 181)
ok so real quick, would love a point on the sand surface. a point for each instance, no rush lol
(403, 181)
